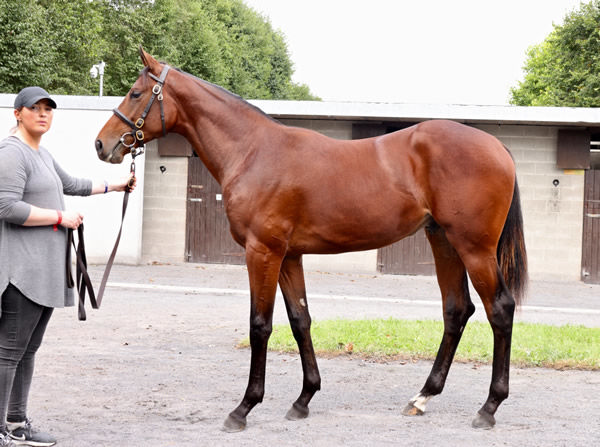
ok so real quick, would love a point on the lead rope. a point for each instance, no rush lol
(83, 279)
(111, 258)
(84, 282)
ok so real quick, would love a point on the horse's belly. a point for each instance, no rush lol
(355, 233)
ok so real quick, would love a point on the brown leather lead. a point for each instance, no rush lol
(83, 279)
(111, 258)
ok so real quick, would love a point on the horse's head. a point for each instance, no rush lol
(136, 121)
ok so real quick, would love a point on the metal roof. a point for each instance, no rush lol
(571, 116)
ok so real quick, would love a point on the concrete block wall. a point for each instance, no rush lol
(165, 195)
(552, 214)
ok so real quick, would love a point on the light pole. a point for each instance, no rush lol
(98, 69)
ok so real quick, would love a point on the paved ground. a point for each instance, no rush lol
(157, 366)
(365, 295)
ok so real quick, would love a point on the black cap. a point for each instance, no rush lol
(30, 95)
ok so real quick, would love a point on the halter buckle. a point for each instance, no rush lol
(157, 89)
(139, 123)
(135, 151)
(139, 135)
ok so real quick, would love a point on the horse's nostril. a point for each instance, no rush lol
(98, 145)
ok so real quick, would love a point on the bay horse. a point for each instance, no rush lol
(290, 191)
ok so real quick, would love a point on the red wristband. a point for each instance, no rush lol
(59, 212)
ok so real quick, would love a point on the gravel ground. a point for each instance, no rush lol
(158, 366)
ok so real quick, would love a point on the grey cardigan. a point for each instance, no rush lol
(33, 258)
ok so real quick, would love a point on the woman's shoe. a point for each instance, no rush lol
(22, 433)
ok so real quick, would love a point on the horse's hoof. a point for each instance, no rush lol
(484, 421)
(234, 424)
(297, 412)
(411, 410)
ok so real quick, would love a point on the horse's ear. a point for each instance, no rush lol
(148, 60)
(143, 56)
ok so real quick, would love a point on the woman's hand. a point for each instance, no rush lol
(126, 184)
(45, 216)
(71, 219)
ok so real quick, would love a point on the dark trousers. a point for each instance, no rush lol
(22, 327)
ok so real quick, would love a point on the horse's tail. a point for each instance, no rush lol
(512, 256)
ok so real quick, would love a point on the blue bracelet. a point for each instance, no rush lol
(105, 186)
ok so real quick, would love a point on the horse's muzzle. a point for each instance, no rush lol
(112, 156)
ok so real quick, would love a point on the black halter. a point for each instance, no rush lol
(136, 128)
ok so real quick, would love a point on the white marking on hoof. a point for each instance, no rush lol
(420, 401)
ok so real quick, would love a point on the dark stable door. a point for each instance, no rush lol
(590, 256)
(208, 237)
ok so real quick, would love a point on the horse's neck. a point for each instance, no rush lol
(218, 125)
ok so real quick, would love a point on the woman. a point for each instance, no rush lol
(33, 235)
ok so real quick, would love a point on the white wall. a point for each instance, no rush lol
(71, 142)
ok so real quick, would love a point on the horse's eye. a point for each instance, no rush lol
(136, 94)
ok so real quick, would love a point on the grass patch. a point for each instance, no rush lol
(534, 345)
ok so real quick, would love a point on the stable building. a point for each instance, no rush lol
(558, 170)
(177, 214)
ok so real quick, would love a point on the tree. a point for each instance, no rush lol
(72, 29)
(54, 43)
(225, 42)
(22, 52)
(564, 70)
(125, 25)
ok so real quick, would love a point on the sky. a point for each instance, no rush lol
(412, 51)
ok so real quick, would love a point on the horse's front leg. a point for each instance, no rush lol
(263, 271)
(291, 281)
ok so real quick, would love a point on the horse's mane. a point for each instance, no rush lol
(229, 94)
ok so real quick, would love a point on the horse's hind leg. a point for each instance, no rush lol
(457, 306)
(499, 305)
(291, 281)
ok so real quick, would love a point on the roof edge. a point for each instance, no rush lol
(371, 111)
